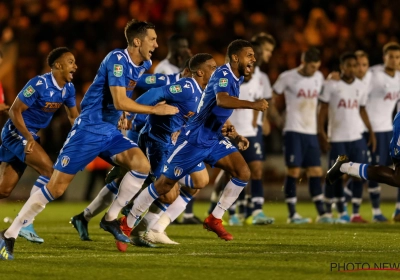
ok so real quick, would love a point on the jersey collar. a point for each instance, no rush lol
(230, 69)
(197, 85)
(54, 81)
(129, 58)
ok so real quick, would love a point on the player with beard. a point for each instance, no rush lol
(95, 131)
(202, 139)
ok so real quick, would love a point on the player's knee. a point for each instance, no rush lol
(46, 171)
(169, 197)
(164, 185)
(200, 182)
(4, 194)
(243, 174)
(144, 167)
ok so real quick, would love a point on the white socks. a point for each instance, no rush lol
(228, 197)
(355, 169)
(34, 205)
(101, 201)
(130, 185)
(141, 204)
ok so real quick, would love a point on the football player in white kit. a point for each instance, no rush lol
(343, 104)
(248, 123)
(300, 88)
(178, 54)
(384, 93)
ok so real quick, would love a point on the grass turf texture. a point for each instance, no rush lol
(276, 251)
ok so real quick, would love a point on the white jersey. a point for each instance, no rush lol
(265, 84)
(242, 119)
(383, 94)
(165, 67)
(344, 109)
(301, 96)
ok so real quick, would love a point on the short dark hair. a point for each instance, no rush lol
(174, 39)
(136, 29)
(391, 46)
(236, 46)
(186, 65)
(361, 53)
(311, 55)
(197, 60)
(56, 54)
(263, 38)
(346, 56)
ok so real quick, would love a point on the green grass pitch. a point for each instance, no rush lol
(278, 251)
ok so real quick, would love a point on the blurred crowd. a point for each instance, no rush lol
(31, 28)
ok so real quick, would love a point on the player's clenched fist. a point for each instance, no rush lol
(260, 105)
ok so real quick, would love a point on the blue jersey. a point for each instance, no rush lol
(44, 97)
(205, 128)
(149, 81)
(184, 94)
(98, 113)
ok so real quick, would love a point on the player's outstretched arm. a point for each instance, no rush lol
(224, 100)
(72, 114)
(15, 114)
(124, 103)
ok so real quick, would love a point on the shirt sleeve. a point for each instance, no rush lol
(179, 91)
(364, 95)
(31, 91)
(71, 100)
(223, 83)
(326, 91)
(280, 84)
(117, 69)
(152, 96)
(148, 81)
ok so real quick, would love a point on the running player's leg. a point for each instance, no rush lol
(226, 157)
(10, 173)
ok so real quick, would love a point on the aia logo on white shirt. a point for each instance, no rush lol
(348, 104)
(391, 96)
(307, 93)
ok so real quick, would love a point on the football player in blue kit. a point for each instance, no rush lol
(31, 111)
(156, 141)
(107, 194)
(203, 140)
(95, 131)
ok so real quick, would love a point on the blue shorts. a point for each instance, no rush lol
(301, 150)
(381, 155)
(355, 150)
(255, 151)
(186, 157)
(12, 149)
(82, 146)
(157, 153)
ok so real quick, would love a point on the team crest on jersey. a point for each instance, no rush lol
(65, 161)
(118, 70)
(150, 80)
(28, 91)
(178, 171)
(223, 82)
(175, 89)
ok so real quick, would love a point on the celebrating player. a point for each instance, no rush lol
(31, 111)
(95, 131)
(203, 140)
